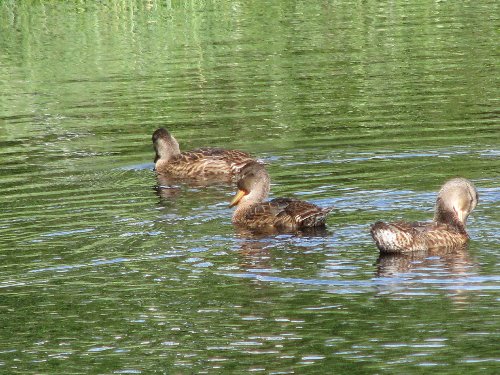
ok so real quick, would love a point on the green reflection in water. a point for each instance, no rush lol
(367, 106)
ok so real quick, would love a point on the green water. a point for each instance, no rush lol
(367, 106)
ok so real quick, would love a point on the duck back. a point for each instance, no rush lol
(205, 163)
(284, 214)
(401, 237)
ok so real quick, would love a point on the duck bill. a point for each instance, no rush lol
(462, 216)
(240, 194)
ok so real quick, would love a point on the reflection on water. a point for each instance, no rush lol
(255, 256)
(367, 107)
(319, 231)
(454, 263)
(255, 248)
(453, 269)
(452, 273)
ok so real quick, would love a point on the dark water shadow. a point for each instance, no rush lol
(451, 262)
(255, 246)
(450, 271)
(270, 232)
(170, 188)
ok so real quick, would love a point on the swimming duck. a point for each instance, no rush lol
(280, 214)
(456, 200)
(201, 163)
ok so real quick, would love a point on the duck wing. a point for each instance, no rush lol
(416, 236)
(305, 214)
(235, 159)
(207, 162)
(287, 213)
(212, 153)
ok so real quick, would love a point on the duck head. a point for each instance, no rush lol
(456, 200)
(253, 184)
(165, 145)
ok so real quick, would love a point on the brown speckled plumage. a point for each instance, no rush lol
(282, 214)
(201, 163)
(456, 200)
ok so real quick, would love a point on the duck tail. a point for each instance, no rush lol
(389, 237)
(316, 217)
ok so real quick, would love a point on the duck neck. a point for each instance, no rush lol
(166, 150)
(257, 195)
(445, 216)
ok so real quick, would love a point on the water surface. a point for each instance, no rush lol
(368, 107)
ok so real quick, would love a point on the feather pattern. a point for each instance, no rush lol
(200, 163)
(416, 236)
(456, 200)
(282, 214)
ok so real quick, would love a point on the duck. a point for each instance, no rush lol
(279, 214)
(202, 163)
(456, 199)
